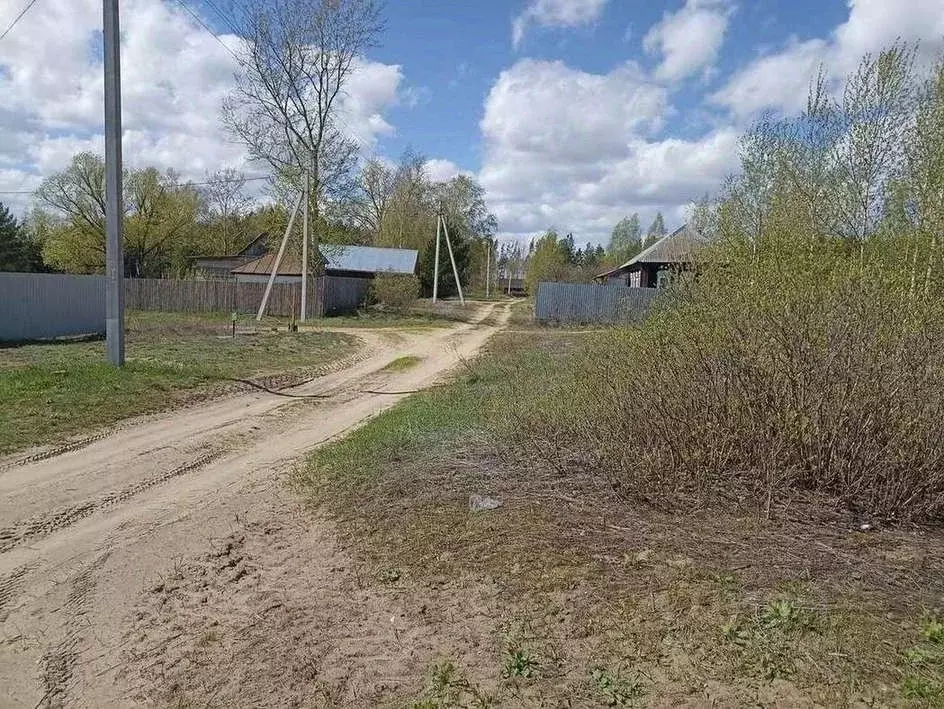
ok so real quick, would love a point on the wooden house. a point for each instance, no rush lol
(655, 265)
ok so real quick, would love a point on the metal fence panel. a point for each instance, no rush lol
(43, 305)
(582, 303)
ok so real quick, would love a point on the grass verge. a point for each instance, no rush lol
(568, 593)
(401, 364)
(51, 390)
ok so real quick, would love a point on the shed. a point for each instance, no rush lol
(337, 259)
(653, 266)
(221, 267)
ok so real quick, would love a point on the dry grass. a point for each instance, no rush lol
(593, 601)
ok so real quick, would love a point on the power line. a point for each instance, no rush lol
(167, 184)
(227, 20)
(205, 26)
(18, 18)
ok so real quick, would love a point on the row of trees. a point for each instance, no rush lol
(168, 222)
(295, 65)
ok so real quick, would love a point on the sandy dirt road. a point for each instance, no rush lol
(167, 563)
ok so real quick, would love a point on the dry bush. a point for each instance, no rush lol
(396, 293)
(794, 370)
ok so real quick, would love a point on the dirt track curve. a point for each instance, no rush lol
(167, 563)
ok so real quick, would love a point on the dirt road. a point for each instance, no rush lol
(168, 563)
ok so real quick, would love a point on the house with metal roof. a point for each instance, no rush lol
(654, 266)
(338, 260)
(221, 267)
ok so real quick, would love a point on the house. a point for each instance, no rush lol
(363, 262)
(221, 267)
(654, 266)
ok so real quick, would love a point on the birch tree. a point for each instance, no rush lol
(286, 107)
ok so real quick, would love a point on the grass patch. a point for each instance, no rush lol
(401, 364)
(613, 603)
(51, 390)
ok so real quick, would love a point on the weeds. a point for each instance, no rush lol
(519, 662)
(615, 689)
(448, 688)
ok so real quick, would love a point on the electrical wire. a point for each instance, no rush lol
(227, 20)
(18, 18)
(205, 26)
(168, 184)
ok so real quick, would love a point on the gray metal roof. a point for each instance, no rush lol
(678, 247)
(369, 259)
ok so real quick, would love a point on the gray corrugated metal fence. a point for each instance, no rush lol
(582, 303)
(43, 305)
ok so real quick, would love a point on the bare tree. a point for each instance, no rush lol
(226, 201)
(299, 57)
(377, 185)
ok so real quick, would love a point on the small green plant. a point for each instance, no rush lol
(782, 613)
(519, 662)
(734, 632)
(448, 688)
(915, 687)
(615, 690)
(932, 630)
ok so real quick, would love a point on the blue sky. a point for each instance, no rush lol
(454, 52)
(571, 113)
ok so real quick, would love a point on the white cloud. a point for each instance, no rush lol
(689, 40)
(439, 170)
(577, 151)
(174, 78)
(779, 80)
(556, 13)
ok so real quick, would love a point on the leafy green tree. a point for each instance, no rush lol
(160, 231)
(463, 205)
(625, 241)
(18, 252)
(656, 231)
(548, 262)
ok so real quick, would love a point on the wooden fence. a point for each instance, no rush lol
(580, 303)
(326, 296)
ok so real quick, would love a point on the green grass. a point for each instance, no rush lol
(621, 603)
(51, 390)
(401, 364)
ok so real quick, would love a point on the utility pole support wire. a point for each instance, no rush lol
(114, 208)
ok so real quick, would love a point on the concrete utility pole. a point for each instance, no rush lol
(488, 263)
(436, 262)
(304, 308)
(114, 208)
(455, 269)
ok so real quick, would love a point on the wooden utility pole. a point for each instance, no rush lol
(114, 207)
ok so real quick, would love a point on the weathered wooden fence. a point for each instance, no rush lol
(42, 305)
(344, 295)
(326, 296)
(581, 303)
